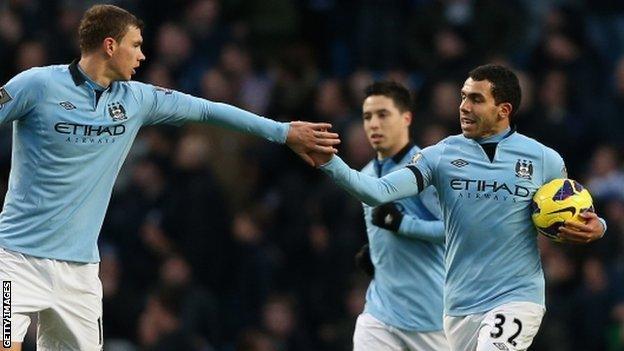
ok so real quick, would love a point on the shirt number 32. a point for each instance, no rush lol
(498, 328)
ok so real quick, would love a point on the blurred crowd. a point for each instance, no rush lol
(218, 241)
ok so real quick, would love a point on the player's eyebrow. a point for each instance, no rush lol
(381, 110)
(472, 95)
(378, 111)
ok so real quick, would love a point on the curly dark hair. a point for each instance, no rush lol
(505, 85)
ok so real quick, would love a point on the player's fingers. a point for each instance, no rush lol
(570, 231)
(581, 227)
(588, 215)
(325, 149)
(573, 234)
(325, 135)
(320, 126)
(327, 142)
(579, 235)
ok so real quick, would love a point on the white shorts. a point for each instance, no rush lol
(509, 327)
(372, 334)
(66, 297)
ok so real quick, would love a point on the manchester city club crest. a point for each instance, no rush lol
(117, 112)
(524, 169)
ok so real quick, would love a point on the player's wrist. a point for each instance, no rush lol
(328, 163)
(286, 132)
(603, 223)
(396, 223)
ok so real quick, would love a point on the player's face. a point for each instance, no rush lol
(479, 115)
(386, 127)
(128, 55)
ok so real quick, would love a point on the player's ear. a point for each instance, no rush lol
(109, 44)
(504, 110)
(407, 117)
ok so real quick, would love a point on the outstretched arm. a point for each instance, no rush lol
(370, 190)
(170, 106)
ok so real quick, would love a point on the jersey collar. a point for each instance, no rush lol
(399, 155)
(80, 77)
(77, 76)
(498, 137)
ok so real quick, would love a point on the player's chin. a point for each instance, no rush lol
(379, 145)
(131, 73)
(124, 76)
(469, 133)
(375, 144)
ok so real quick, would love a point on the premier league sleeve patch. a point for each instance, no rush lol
(163, 90)
(4, 97)
(416, 158)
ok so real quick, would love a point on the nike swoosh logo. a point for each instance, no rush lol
(570, 209)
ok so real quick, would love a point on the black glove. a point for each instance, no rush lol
(387, 216)
(363, 261)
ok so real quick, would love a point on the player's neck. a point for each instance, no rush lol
(496, 130)
(494, 137)
(395, 149)
(95, 69)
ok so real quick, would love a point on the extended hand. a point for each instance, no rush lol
(387, 216)
(582, 233)
(305, 138)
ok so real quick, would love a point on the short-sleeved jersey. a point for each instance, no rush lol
(491, 244)
(68, 147)
(407, 290)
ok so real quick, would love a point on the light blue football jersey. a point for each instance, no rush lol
(68, 148)
(407, 290)
(491, 244)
